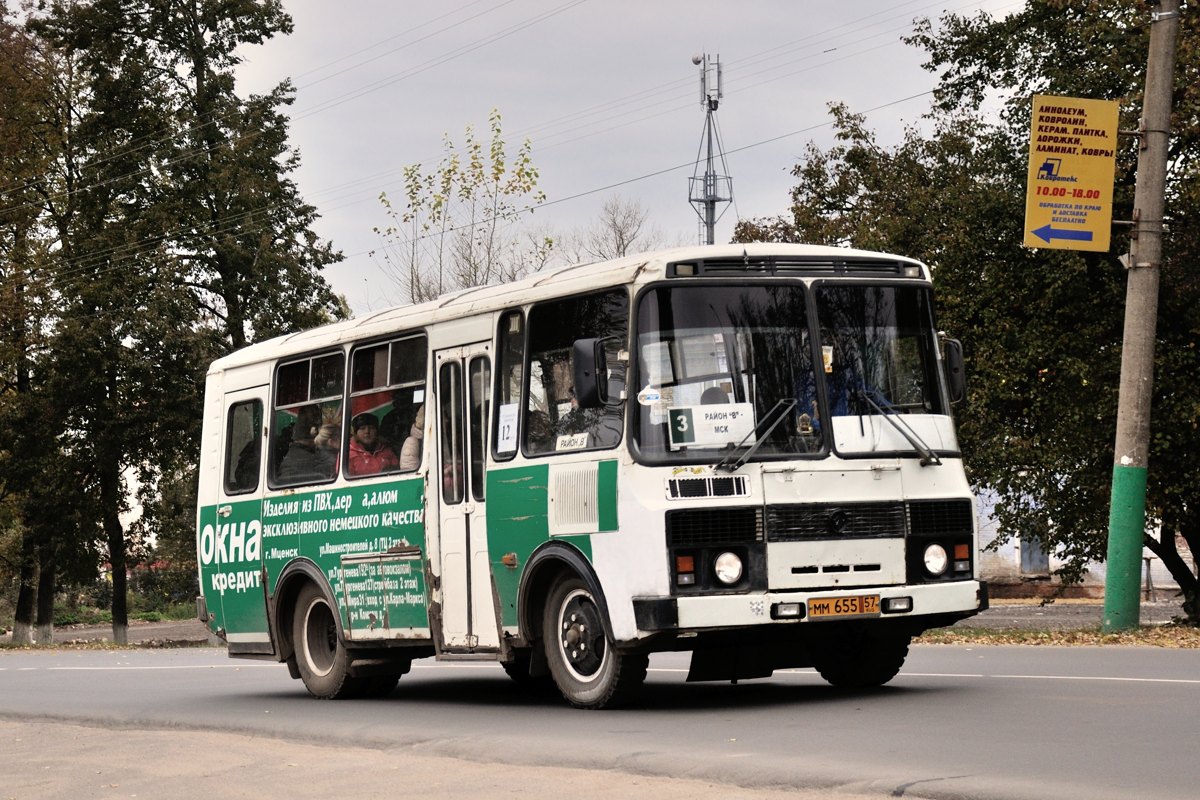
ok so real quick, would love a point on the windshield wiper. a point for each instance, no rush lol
(893, 417)
(731, 464)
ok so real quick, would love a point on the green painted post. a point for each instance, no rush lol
(1126, 521)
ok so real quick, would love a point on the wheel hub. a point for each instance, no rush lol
(582, 637)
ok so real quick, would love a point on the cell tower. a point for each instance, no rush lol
(705, 191)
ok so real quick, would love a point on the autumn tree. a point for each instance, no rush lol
(455, 228)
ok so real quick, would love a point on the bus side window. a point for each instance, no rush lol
(453, 441)
(510, 360)
(243, 447)
(478, 401)
(306, 420)
(387, 387)
(551, 403)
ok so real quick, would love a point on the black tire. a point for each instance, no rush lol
(857, 657)
(586, 666)
(377, 685)
(321, 657)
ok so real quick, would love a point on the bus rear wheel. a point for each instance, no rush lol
(586, 666)
(321, 657)
(857, 657)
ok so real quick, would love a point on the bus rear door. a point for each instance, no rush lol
(231, 535)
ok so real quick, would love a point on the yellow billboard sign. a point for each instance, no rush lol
(1072, 158)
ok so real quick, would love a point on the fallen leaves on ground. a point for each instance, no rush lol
(1173, 636)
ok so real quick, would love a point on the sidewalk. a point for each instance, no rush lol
(1061, 615)
(176, 633)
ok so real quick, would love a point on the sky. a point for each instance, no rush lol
(606, 91)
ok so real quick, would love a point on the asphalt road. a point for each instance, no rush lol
(959, 722)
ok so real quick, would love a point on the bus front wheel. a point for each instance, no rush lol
(321, 657)
(586, 666)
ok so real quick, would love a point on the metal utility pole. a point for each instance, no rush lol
(708, 190)
(1127, 513)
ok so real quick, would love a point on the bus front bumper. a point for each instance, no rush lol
(924, 606)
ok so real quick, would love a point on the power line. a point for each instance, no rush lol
(690, 164)
(234, 223)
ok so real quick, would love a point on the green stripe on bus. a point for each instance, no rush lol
(606, 490)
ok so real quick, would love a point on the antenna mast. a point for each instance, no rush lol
(705, 191)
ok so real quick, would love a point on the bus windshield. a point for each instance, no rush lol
(714, 362)
(724, 366)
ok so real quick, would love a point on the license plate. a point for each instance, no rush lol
(854, 606)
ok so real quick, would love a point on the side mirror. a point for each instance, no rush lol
(591, 372)
(956, 377)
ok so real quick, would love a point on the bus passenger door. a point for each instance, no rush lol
(468, 607)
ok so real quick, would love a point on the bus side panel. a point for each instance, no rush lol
(347, 532)
(230, 556)
(518, 517)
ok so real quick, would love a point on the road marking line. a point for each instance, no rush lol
(132, 668)
(1046, 677)
(1096, 678)
(941, 675)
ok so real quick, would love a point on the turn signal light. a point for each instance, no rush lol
(685, 570)
(962, 552)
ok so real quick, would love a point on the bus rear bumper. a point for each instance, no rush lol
(927, 606)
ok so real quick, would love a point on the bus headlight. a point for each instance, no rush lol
(936, 560)
(728, 568)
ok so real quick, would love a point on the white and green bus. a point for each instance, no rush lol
(745, 452)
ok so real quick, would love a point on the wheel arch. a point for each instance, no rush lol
(295, 576)
(549, 563)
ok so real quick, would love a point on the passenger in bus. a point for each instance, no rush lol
(329, 440)
(713, 396)
(410, 451)
(245, 472)
(368, 454)
(395, 424)
(305, 460)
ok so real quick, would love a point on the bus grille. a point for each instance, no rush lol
(696, 527)
(835, 521)
(812, 521)
(940, 517)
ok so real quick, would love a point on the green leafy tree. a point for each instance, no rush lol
(251, 255)
(1042, 328)
(34, 87)
(175, 234)
(455, 229)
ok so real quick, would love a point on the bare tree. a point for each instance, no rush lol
(622, 228)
